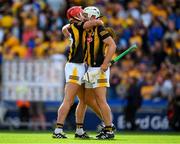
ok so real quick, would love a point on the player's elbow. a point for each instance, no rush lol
(64, 29)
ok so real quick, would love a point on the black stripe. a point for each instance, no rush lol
(80, 50)
(100, 55)
(73, 46)
(92, 48)
(88, 77)
(105, 36)
(102, 80)
(59, 125)
(74, 77)
(85, 48)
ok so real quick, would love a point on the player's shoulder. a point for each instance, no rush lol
(78, 24)
(100, 27)
(102, 30)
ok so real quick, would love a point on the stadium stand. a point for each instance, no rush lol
(31, 29)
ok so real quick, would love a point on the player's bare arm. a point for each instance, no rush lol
(65, 30)
(111, 48)
(87, 25)
(91, 23)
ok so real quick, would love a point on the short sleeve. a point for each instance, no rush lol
(103, 32)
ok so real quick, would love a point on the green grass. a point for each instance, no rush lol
(17, 137)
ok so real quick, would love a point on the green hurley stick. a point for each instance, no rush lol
(113, 61)
(123, 54)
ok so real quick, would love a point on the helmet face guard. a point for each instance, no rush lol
(92, 11)
(74, 13)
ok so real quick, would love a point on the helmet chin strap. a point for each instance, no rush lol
(75, 18)
(99, 17)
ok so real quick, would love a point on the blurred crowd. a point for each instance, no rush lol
(32, 29)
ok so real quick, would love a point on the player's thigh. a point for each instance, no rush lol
(89, 96)
(100, 94)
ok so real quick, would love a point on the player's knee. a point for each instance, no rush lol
(68, 103)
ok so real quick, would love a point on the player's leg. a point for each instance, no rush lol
(70, 93)
(100, 87)
(80, 114)
(73, 74)
(96, 92)
(85, 99)
(90, 100)
(100, 94)
(81, 107)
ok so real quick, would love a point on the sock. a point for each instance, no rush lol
(79, 128)
(108, 128)
(79, 125)
(104, 124)
(59, 128)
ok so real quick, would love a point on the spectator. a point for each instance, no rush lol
(32, 29)
(158, 54)
(174, 110)
(37, 111)
(133, 103)
(164, 87)
(148, 87)
(24, 114)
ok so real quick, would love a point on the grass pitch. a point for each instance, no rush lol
(17, 137)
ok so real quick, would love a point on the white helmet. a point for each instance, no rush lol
(92, 11)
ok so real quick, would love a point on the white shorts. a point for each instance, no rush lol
(102, 79)
(74, 72)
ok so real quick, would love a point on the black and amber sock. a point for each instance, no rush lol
(59, 125)
(108, 128)
(79, 125)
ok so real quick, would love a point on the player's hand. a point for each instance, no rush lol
(98, 22)
(102, 23)
(104, 67)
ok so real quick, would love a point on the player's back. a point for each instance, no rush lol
(77, 52)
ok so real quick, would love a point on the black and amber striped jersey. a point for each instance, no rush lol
(94, 46)
(76, 52)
